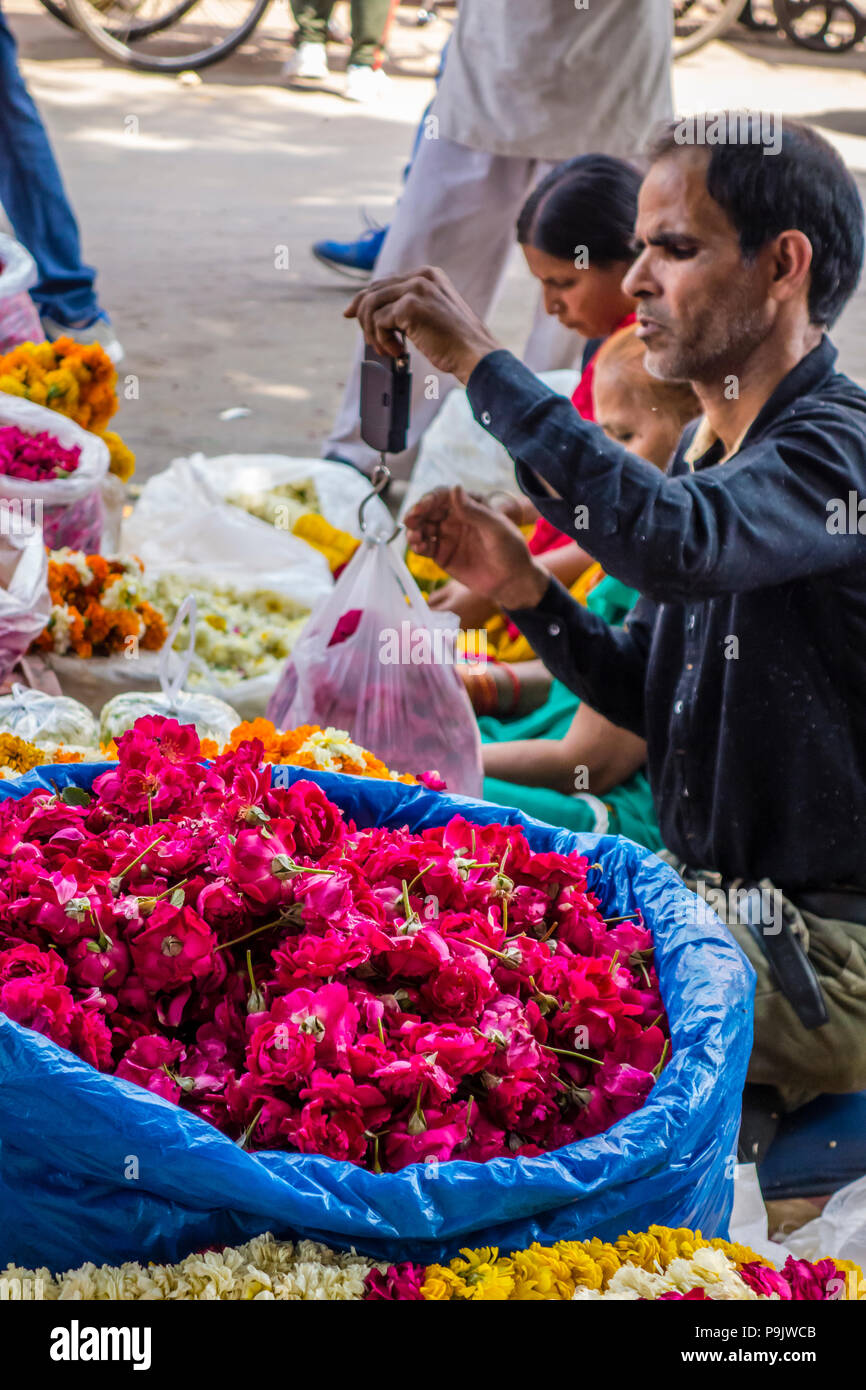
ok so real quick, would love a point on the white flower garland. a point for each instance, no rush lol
(264, 1268)
(708, 1269)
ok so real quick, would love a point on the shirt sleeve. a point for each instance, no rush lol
(760, 519)
(604, 665)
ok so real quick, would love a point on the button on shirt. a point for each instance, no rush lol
(744, 662)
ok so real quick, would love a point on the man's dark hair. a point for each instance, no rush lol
(804, 186)
(589, 201)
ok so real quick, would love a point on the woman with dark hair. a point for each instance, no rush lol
(575, 231)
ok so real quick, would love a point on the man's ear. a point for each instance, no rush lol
(791, 263)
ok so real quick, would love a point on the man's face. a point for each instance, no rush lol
(703, 308)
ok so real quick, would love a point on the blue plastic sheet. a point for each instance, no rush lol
(95, 1168)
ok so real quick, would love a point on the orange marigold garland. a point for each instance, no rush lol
(323, 750)
(78, 380)
(97, 605)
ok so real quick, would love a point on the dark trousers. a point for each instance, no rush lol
(369, 18)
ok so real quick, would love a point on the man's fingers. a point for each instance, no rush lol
(433, 506)
(351, 309)
(382, 318)
(384, 291)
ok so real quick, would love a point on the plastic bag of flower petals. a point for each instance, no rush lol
(24, 601)
(46, 719)
(375, 659)
(212, 717)
(56, 482)
(19, 317)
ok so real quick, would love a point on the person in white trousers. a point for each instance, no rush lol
(525, 86)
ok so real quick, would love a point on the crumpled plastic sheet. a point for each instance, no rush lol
(96, 1168)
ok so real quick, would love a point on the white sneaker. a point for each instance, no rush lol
(365, 85)
(309, 61)
(100, 331)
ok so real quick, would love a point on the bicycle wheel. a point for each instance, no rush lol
(167, 35)
(58, 10)
(697, 22)
(825, 26)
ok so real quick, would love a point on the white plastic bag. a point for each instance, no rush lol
(93, 680)
(376, 661)
(181, 518)
(455, 449)
(46, 719)
(339, 490)
(19, 317)
(71, 507)
(840, 1230)
(181, 528)
(264, 614)
(24, 602)
(212, 717)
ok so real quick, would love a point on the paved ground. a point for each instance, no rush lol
(186, 195)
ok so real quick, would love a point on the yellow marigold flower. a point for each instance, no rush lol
(121, 459)
(540, 1274)
(590, 1268)
(20, 755)
(602, 1254)
(76, 379)
(337, 546)
(442, 1285)
(739, 1254)
(491, 1283)
(639, 1248)
(855, 1284)
(37, 392)
(486, 1276)
(423, 570)
(678, 1243)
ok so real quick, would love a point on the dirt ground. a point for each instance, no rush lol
(187, 194)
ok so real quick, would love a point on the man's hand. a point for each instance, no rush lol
(478, 546)
(426, 307)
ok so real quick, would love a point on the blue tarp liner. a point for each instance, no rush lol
(95, 1168)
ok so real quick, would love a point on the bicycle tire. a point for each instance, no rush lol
(156, 26)
(59, 12)
(57, 8)
(713, 29)
(122, 52)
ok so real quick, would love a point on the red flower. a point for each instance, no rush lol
(153, 1062)
(458, 991)
(313, 1131)
(379, 996)
(29, 962)
(39, 1004)
(281, 1054)
(90, 1037)
(174, 948)
(400, 1283)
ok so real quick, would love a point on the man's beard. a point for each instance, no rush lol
(712, 348)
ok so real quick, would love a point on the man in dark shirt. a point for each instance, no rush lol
(744, 664)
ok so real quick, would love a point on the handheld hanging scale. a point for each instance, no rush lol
(386, 386)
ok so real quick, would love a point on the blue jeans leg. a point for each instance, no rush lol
(34, 200)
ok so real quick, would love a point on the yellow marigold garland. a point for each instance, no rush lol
(551, 1273)
(78, 380)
